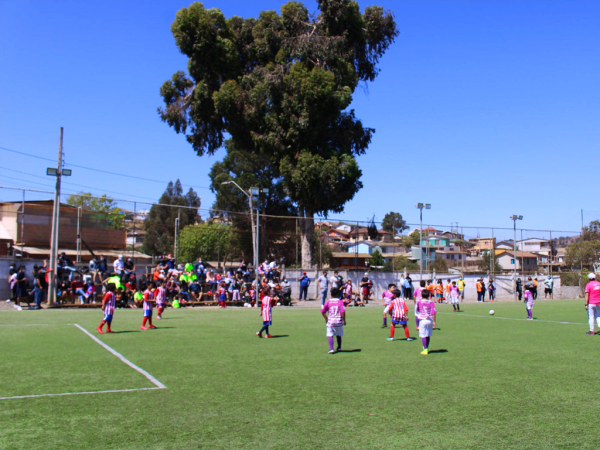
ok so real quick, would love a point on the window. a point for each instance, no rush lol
(345, 261)
(512, 261)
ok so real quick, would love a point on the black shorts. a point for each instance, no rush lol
(548, 290)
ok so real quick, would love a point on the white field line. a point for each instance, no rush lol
(80, 393)
(510, 318)
(152, 380)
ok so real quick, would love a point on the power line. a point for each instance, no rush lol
(103, 171)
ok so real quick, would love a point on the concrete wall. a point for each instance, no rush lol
(504, 283)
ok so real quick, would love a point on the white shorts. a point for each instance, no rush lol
(335, 331)
(425, 327)
(528, 306)
(454, 300)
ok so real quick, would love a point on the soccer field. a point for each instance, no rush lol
(495, 382)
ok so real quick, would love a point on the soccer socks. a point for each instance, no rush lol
(530, 314)
(223, 304)
(99, 329)
(384, 320)
(424, 341)
(144, 321)
(406, 331)
(427, 339)
(330, 339)
(160, 310)
(264, 328)
(392, 329)
(339, 342)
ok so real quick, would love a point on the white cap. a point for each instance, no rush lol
(120, 256)
(591, 276)
(366, 273)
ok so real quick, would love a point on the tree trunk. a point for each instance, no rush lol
(307, 231)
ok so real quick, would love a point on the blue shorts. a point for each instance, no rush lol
(148, 313)
(399, 322)
(108, 317)
(268, 322)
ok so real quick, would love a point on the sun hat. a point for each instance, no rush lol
(592, 276)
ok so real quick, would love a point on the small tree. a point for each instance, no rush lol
(582, 254)
(484, 265)
(103, 204)
(411, 240)
(377, 259)
(211, 241)
(399, 263)
(440, 265)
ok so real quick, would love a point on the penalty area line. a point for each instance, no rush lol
(512, 318)
(152, 380)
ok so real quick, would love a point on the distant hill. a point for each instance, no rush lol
(565, 241)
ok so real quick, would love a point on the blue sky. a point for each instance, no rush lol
(483, 109)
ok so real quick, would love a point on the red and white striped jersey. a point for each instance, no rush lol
(110, 304)
(398, 308)
(267, 306)
(148, 297)
(161, 295)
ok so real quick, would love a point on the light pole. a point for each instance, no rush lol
(421, 206)
(256, 191)
(514, 218)
(251, 220)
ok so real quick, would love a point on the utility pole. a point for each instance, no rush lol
(514, 218)
(420, 206)
(22, 223)
(175, 243)
(79, 234)
(55, 220)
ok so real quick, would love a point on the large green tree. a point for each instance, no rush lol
(393, 221)
(211, 241)
(99, 204)
(280, 86)
(160, 226)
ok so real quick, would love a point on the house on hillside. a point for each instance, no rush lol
(348, 261)
(526, 261)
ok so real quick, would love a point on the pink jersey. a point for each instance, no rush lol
(148, 297)
(348, 290)
(528, 298)
(161, 295)
(334, 309)
(266, 308)
(418, 294)
(387, 297)
(425, 309)
(454, 292)
(111, 301)
(593, 289)
(398, 309)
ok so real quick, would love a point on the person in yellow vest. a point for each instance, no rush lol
(460, 284)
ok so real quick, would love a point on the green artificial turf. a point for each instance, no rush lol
(494, 384)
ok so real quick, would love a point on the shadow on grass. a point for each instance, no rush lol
(437, 329)
(124, 331)
(160, 328)
(279, 336)
(441, 350)
(356, 350)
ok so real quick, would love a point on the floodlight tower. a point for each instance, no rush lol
(420, 206)
(514, 218)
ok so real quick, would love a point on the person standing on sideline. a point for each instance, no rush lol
(408, 287)
(535, 288)
(592, 301)
(548, 286)
(335, 281)
(323, 285)
(460, 284)
(492, 289)
(519, 285)
(365, 286)
(304, 284)
(480, 290)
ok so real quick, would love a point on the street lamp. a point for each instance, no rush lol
(251, 218)
(420, 206)
(256, 191)
(514, 218)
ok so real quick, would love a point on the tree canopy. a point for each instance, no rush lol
(160, 226)
(280, 86)
(586, 251)
(211, 241)
(393, 221)
(102, 204)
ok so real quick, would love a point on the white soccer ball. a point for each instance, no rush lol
(491, 312)
(246, 305)
(278, 304)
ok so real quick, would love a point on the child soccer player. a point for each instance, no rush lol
(417, 297)
(454, 296)
(161, 299)
(335, 317)
(426, 311)
(386, 299)
(529, 303)
(266, 312)
(148, 306)
(398, 310)
(223, 295)
(108, 307)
